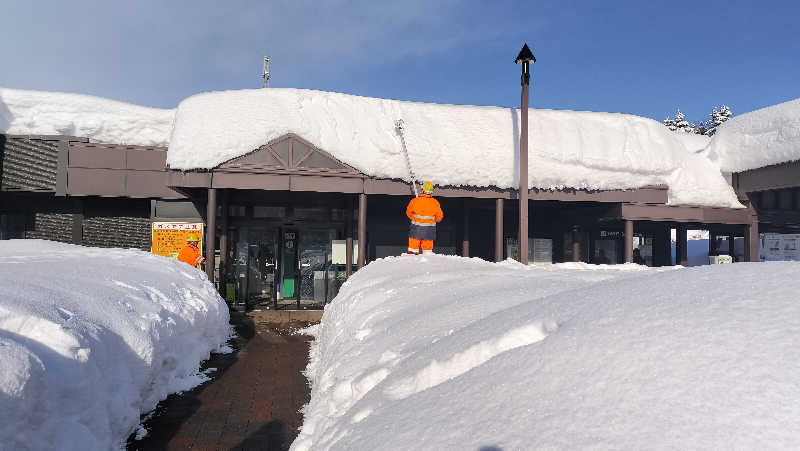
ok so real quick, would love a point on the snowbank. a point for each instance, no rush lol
(760, 138)
(441, 352)
(101, 120)
(449, 144)
(693, 142)
(92, 338)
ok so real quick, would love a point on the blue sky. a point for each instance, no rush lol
(641, 57)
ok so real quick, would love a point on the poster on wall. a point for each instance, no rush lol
(542, 251)
(781, 247)
(339, 252)
(168, 238)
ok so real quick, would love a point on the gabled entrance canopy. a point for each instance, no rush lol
(289, 154)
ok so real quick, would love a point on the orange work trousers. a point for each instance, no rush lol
(414, 245)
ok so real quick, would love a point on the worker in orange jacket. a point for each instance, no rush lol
(424, 212)
(190, 254)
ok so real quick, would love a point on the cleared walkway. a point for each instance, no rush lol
(254, 399)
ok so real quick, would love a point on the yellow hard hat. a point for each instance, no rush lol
(192, 237)
(427, 187)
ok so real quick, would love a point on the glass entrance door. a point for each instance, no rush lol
(254, 267)
(314, 260)
(263, 262)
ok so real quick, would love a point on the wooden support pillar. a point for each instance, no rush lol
(712, 243)
(223, 244)
(211, 232)
(731, 245)
(348, 234)
(576, 244)
(751, 237)
(628, 241)
(681, 247)
(751, 241)
(498, 230)
(362, 230)
(465, 231)
(658, 245)
(662, 255)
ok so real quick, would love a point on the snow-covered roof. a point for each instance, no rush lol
(760, 138)
(456, 145)
(449, 144)
(101, 120)
(693, 142)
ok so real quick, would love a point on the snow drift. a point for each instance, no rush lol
(760, 138)
(92, 338)
(442, 352)
(693, 142)
(101, 120)
(449, 144)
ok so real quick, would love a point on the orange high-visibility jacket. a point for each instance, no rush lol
(424, 210)
(191, 255)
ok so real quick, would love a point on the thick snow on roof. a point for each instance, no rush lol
(448, 353)
(101, 120)
(692, 141)
(449, 144)
(760, 138)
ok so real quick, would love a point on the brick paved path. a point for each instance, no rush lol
(253, 402)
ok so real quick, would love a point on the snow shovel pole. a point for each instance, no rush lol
(399, 126)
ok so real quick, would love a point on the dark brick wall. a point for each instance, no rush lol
(117, 231)
(28, 164)
(50, 226)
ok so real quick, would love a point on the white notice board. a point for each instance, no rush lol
(780, 247)
(339, 252)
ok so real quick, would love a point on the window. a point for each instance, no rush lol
(269, 212)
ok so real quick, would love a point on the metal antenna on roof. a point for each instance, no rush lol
(266, 72)
(398, 124)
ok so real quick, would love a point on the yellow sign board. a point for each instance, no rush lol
(170, 237)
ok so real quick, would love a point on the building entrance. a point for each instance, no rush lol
(286, 266)
(254, 267)
(315, 265)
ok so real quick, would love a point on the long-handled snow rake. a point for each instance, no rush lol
(399, 125)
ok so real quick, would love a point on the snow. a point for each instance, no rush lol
(92, 338)
(102, 120)
(441, 352)
(449, 144)
(693, 142)
(760, 138)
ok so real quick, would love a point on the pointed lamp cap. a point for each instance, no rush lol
(525, 55)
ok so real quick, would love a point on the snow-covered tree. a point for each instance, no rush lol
(680, 123)
(707, 127)
(718, 117)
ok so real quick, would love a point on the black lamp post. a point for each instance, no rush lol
(525, 57)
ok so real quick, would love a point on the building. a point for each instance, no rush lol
(299, 188)
(761, 151)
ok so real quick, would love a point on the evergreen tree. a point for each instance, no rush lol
(707, 127)
(718, 117)
(680, 123)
